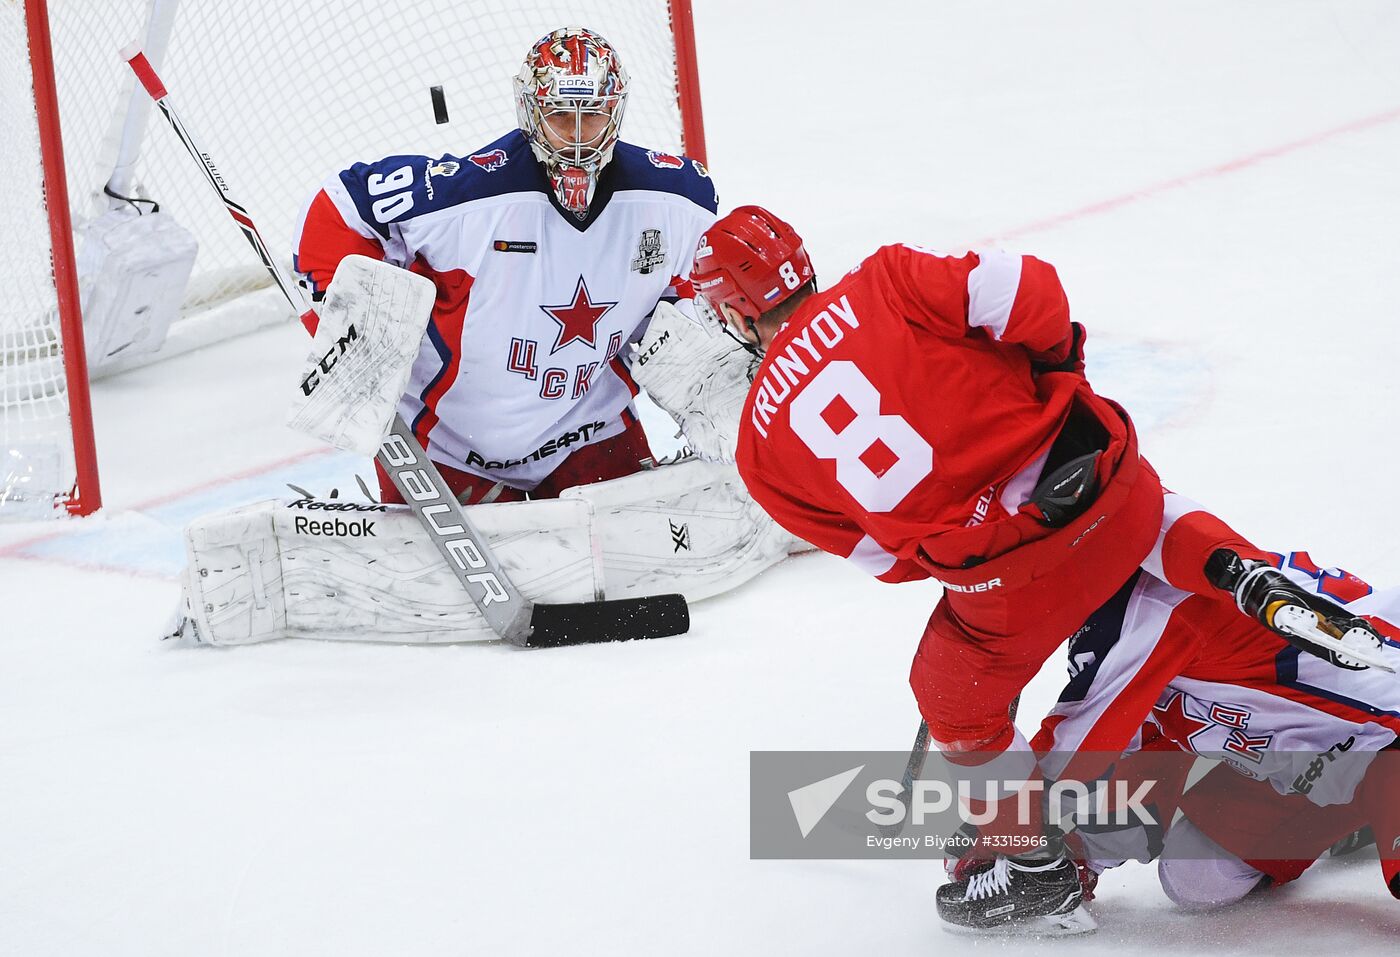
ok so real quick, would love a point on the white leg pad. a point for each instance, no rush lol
(690, 528)
(310, 569)
(358, 572)
(233, 580)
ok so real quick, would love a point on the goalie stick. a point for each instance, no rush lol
(515, 618)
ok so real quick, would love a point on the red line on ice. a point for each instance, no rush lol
(1230, 166)
(253, 472)
(17, 550)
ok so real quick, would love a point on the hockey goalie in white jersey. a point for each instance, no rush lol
(549, 249)
(549, 252)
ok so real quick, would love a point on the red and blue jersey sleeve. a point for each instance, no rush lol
(362, 208)
(324, 238)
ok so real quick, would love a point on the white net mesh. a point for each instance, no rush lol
(285, 93)
(282, 94)
(36, 452)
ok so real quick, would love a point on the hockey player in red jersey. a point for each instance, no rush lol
(522, 384)
(928, 416)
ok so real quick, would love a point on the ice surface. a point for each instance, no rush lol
(1216, 184)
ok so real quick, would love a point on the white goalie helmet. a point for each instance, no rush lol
(569, 99)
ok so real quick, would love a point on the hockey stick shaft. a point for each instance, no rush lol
(510, 615)
(917, 756)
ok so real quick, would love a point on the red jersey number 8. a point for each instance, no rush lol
(879, 458)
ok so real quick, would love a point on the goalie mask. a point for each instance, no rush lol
(569, 98)
(748, 263)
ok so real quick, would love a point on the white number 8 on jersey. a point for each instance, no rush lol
(876, 492)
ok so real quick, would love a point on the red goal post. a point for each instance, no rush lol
(48, 462)
(285, 93)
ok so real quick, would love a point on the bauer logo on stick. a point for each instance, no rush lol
(408, 468)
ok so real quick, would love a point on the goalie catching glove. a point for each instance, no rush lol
(1305, 620)
(699, 375)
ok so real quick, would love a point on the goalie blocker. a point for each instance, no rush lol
(365, 572)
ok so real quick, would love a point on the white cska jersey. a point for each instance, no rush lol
(525, 358)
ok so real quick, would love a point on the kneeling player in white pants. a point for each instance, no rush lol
(1307, 749)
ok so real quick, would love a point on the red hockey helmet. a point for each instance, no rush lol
(750, 261)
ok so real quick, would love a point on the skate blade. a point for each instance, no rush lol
(1077, 921)
(1357, 648)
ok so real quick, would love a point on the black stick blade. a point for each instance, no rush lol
(627, 619)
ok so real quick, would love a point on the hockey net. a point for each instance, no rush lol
(284, 94)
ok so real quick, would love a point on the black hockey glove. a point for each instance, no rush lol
(1074, 357)
(1303, 619)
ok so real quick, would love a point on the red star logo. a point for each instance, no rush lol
(577, 319)
(1176, 723)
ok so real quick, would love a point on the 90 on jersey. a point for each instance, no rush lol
(394, 192)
